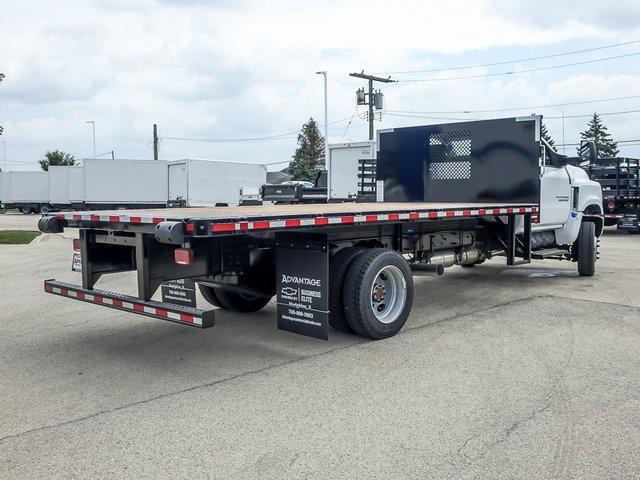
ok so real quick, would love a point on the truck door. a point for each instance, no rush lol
(555, 196)
(177, 182)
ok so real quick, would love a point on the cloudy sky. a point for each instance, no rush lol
(244, 69)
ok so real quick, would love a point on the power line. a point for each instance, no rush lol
(546, 118)
(15, 162)
(591, 114)
(349, 124)
(230, 140)
(506, 62)
(281, 136)
(429, 117)
(624, 142)
(582, 102)
(516, 72)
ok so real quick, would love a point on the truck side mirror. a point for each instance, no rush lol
(588, 153)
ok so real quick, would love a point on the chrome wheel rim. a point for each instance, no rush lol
(388, 294)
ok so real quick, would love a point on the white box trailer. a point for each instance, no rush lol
(59, 185)
(76, 186)
(26, 191)
(2, 188)
(342, 167)
(109, 183)
(66, 189)
(207, 183)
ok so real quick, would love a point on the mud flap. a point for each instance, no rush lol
(302, 286)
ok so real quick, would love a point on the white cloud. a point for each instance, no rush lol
(246, 68)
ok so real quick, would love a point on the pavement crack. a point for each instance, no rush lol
(356, 344)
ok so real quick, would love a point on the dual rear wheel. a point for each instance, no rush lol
(371, 292)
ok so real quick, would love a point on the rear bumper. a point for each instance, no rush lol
(192, 317)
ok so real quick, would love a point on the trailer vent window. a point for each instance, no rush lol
(447, 146)
(448, 154)
(450, 171)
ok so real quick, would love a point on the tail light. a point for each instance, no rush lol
(183, 256)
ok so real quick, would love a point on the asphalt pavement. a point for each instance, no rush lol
(525, 372)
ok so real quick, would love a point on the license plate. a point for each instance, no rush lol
(76, 262)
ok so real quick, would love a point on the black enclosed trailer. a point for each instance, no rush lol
(620, 180)
(455, 195)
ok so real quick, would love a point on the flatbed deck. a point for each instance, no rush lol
(217, 220)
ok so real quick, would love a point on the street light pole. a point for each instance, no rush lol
(326, 109)
(93, 126)
(326, 129)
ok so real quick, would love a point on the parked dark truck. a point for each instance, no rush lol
(620, 181)
(451, 194)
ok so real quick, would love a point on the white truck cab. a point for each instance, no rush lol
(567, 196)
(570, 211)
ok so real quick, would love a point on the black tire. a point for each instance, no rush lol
(44, 209)
(338, 268)
(26, 211)
(357, 293)
(586, 244)
(209, 294)
(241, 302)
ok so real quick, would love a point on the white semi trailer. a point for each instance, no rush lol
(119, 184)
(209, 183)
(25, 191)
(103, 184)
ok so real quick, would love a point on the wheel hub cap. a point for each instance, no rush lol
(388, 294)
(378, 293)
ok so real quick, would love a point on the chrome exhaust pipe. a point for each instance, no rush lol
(446, 258)
(427, 269)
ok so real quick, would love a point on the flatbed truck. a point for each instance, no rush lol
(450, 194)
(620, 181)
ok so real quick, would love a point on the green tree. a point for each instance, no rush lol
(56, 157)
(545, 135)
(308, 159)
(597, 132)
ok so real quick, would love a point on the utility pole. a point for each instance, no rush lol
(93, 126)
(155, 141)
(372, 99)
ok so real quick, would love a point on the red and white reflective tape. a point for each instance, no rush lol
(224, 227)
(95, 217)
(122, 304)
(614, 215)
